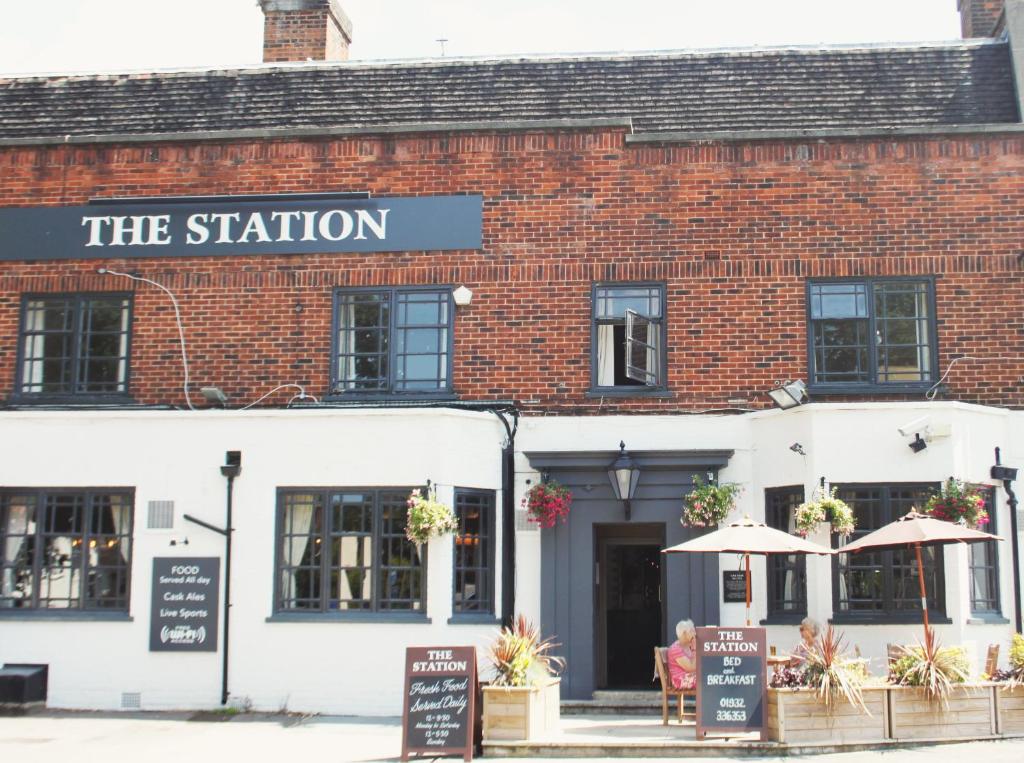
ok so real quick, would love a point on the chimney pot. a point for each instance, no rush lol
(980, 18)
(305, 30)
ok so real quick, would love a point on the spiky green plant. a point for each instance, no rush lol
(831, 674)
(934, 668)
(519, 657)
(1014, 677)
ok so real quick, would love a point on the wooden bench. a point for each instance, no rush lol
(667, 690)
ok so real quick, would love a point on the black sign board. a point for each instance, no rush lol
(184, 606)
(731, 682)
(734, 587)
(196, 227)
(441, 701)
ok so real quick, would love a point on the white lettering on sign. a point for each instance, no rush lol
(232, 228)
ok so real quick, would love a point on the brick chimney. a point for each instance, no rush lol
(979, 18)
(303, 30)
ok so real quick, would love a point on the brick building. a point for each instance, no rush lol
(483, 273)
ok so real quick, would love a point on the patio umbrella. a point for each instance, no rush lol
(748, 537)
(916, 530)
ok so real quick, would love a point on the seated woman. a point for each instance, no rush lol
(682, 656)
(808, 632)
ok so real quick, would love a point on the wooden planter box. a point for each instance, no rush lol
(1009, 710)
(797, 716)
(516, 714)
(969, 712)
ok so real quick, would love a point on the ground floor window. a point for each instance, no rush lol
(983, 559)
(64, 549)
(881, 585)
(474, 553)
(344, 549)
(787, 574)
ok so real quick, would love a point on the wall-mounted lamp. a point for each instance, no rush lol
(789, 394)
(918, 444)
(462, 296)
(214, 396)
(177, 542)
(624, 475)
(798, 448)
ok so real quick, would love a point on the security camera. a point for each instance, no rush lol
(912, 427)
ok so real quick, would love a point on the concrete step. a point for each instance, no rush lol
(607, 702)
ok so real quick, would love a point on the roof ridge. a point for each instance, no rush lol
(608, 56)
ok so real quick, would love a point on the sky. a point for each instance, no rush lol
(116, 35)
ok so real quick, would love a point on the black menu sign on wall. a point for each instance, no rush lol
(441, 701)
(734, 587)
(731, 682)
(184, 611)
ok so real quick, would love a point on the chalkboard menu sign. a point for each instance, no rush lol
(183, 613)
(441, 701)
(731, 685)
(734, 587)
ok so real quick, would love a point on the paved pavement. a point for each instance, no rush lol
(52, 737)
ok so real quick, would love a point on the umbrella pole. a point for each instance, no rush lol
(748, 589)
(920, 580)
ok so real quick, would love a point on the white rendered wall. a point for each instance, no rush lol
(327, 667)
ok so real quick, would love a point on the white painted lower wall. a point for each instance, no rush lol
(356, 668)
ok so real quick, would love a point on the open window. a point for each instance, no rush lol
(628, 337)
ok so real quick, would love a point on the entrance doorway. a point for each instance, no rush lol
(630, 611)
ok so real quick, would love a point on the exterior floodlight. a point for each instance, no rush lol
(624, 475)
(462, 296)
(789, 395)
(214, 395)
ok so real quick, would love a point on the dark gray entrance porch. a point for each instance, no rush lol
(574, 607)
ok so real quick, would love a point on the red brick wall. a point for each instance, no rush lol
(978, 18)
(734, 231)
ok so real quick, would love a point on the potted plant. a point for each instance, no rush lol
(547, 502)
(958, 502)
(708, 504)
(824, 508)
(923, 703)
(428, 518)
(1010, 695)
(826, 699)
(521, 702)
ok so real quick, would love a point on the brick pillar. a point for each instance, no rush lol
(978, 18)
(301, 30)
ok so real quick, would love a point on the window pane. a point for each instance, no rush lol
(902, 321)
(787, 575)
(474, 553)
(841, 351)
(363, 330)
(613, 301)
(984, 563)
(17, 549)
(300, 551)
(109, 547)
(421, 341)
(351, 561)
(839, 300)
(401, 571)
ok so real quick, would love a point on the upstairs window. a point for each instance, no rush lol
(64, 549)
(74, 345)
(872, 333)
(392, 341)
(628, 337)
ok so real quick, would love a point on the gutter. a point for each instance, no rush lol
(822, 133)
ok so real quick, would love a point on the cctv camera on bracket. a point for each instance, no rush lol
(915, 426)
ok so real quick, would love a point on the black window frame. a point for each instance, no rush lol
(78, 299)
(889, 613)
(489, 539)
(873, 385)
(990, 565)
(629, 390)
(389, 392)
(88, 496)
(325, 611)
(779, 501)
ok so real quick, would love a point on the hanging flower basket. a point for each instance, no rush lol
(958, 503)
(707, 505)
(428, 518)
(547, 502)
(824, 508)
